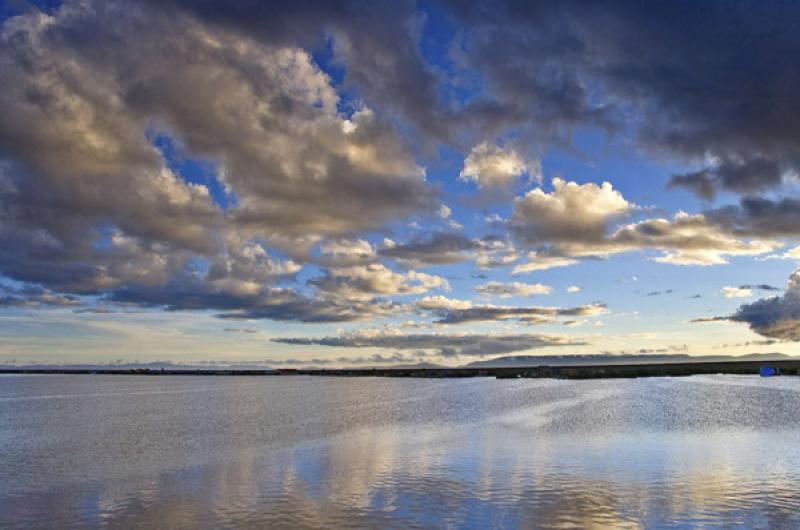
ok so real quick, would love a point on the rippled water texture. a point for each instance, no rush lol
(294, 452)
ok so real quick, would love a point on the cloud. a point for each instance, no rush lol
(740, 175)
(540, 262)
(347, 252)
(758, 216)
(443, 248)
(445, 345)
(495, 251)
(34, 297)
(189, 291)
(736, 292)
(573, 289)
(491, 166)
(439, 248)
(364, 282)
(570, 213)
(451, 311)
(375, 359)
(89, 199)
(684, 240)
(760, 287)
(574, 222)
(777, 317)
(793, 254)
(508, 290)
(707, 84)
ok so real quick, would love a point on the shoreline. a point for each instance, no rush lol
(597, 371)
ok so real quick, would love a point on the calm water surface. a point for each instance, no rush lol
(300, 452)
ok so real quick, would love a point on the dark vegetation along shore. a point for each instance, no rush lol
(598, 371)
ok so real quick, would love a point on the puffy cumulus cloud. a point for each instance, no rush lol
(246, 267)
(736, 292)
(575, 222)
(707, 83)
(508, 290)
(364, 282)
(347, 252)
(89, 203)
(573, 289)
(445, 345)
(492, 166)
(570, 213)
(684, 240)
(449, 311)
(568, 229)
(777, 317)
(442, 303)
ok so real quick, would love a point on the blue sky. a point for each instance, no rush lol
(377, 183)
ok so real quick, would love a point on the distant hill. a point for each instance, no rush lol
(414, 366)
(135, 366)
(599, 358)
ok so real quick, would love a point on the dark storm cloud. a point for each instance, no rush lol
(702, 80)
(760, 216)
(777, 317)
(745, 176)
(444, 344)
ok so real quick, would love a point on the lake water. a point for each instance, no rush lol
(315, 452)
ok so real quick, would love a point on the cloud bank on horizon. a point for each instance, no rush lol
(447, 173)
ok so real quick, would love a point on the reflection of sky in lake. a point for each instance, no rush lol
(127, 452)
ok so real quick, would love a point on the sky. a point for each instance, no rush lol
(372, 183)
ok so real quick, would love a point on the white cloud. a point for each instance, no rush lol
(576, 213)
(363, 282)
(736, 292)
(342, 252)
(573, 289)
(491, 166)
